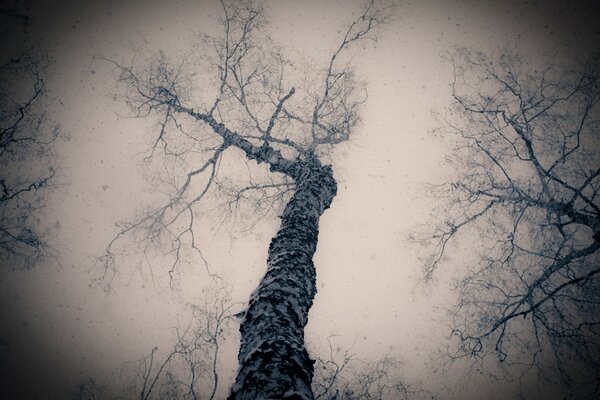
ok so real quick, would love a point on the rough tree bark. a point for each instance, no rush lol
(272, 358)
(277, 117)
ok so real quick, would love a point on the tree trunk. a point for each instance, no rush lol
(273, 363)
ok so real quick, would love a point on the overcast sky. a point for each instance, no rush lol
(62, 329)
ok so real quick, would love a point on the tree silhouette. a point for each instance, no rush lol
(526, 152)
(341, 375)
(26, 137)
(243, 97)
(190, 369)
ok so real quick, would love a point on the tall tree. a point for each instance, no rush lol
(275, 115)
(527, 155)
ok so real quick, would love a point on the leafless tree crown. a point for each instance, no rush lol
(526, 154)
(26, 157)
(237, 91)
(341, 375)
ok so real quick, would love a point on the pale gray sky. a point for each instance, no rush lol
(62, 330)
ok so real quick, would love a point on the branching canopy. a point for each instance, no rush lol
(241, 92)
(528, 178)
(26, 158)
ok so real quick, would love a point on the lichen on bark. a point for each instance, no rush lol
(273, 361)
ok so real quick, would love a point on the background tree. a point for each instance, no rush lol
(243, 98)
(526, 156)
(26, 137)
(341, 375)
(190, 369)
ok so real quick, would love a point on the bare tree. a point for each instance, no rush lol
(190, 369)
(265, 111)
(341, 375)
(26, 137)
(526, 154)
